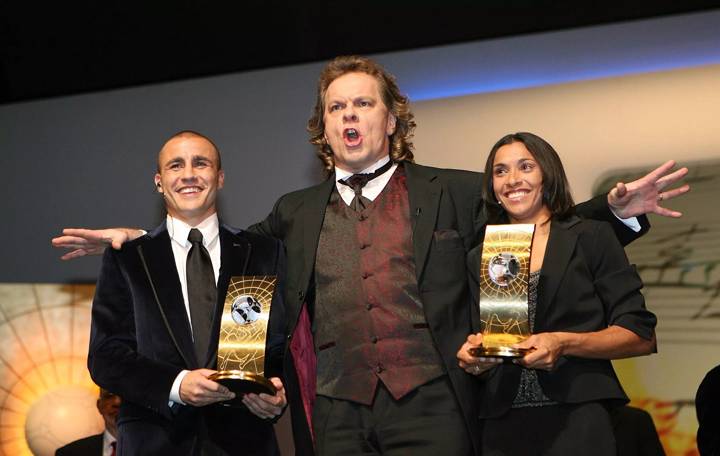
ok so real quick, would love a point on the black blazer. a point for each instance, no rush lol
(446, 220)
(141, 339)
(89, 446)
(586, 284)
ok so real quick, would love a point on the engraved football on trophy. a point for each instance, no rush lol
(243, 334)
(504, 272)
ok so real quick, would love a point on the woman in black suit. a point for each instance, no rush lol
(585, 308)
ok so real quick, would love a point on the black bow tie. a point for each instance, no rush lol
(358, 181)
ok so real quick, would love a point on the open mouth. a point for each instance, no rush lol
(352, 137)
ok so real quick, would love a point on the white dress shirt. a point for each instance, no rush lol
(178, 231)
(108, 440)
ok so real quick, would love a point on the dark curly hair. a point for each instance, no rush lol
(396, 103)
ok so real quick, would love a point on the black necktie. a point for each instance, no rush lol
(202, 293)
(358, 181)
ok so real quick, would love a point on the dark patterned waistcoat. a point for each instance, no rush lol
(369, 320)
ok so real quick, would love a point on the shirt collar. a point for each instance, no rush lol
(179, 230)
(341, 174)
(108, 439)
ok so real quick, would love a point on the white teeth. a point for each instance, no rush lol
(516, 194)
(352, 133)
(189, 190)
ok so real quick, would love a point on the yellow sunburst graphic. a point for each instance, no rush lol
(46, 396)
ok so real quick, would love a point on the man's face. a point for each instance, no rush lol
(109, 405)
(189, 178)
(357, 122)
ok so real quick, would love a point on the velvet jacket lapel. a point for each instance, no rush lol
(559, 250)
(157, 257)
(424, 193)
(159, 263)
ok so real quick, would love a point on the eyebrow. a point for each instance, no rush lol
(524, 159)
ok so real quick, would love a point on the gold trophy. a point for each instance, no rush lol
(504, 273)
(243, 332)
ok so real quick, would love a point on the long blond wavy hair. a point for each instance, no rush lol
(400, 141)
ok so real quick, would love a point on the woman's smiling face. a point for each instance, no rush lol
(518, 184)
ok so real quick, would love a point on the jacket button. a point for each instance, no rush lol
(374, 339)
(379, 369)
(301, 295)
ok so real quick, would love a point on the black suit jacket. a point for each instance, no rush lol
(141, 340)
(446, 221)
(89, 446)
(444, 205)
(586, 284)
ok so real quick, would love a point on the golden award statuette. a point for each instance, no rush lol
(243, 332)
(504, 273)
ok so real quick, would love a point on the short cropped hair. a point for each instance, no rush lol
(193, 134)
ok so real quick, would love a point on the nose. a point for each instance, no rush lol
(188, 173)
(350, 115)
(513, 177)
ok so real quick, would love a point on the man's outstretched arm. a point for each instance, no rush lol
(82, 241)
(625, 200)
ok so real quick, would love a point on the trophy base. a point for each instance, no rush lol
(242, 383)
(499, 352)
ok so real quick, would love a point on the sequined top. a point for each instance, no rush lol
(530, 393)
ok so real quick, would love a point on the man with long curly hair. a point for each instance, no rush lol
(377, 277)
(377, 298)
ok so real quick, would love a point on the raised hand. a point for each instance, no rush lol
(81, 241)
(644, 195)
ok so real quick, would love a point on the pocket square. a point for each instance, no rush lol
(442, 235)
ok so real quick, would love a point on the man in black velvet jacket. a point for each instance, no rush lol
(144, 336)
